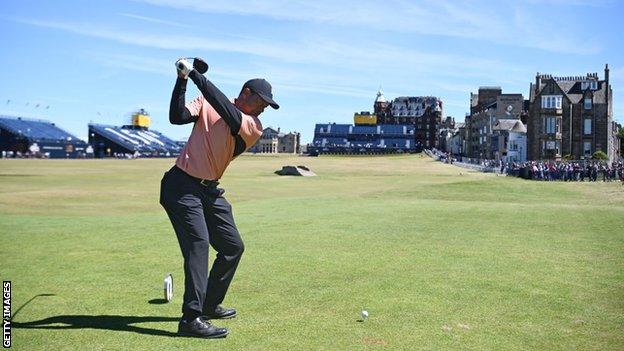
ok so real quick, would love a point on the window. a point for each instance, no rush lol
(551, 101)
(549, 145)
(592, 84)
(587, 103)
(550, 124)
(587, 148)
(587, 126)
(552, 146)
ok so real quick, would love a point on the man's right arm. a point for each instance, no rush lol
(178, 113)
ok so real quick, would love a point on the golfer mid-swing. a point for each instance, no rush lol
(200, 215)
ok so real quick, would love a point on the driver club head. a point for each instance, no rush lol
(200, 65)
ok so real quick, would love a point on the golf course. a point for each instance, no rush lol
(441, 257)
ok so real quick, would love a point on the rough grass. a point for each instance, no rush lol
(442, 258)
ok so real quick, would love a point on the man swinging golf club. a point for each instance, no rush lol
(200, 215)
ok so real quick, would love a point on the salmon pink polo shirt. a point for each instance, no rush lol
(210, 147)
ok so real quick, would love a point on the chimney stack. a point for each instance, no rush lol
(607, 92)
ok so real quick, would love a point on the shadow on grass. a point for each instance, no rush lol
(157, 301)
(105, 322)
(29, 301)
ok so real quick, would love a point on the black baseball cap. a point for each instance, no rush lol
(263, 89)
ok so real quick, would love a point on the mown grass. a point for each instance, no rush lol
(442, 258)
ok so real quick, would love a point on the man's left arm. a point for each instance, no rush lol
(224, 107)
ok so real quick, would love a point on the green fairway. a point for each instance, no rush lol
(442, 258)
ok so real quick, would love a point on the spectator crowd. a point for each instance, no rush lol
(567, 171)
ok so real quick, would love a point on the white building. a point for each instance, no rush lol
(509, 140)
(457, 141)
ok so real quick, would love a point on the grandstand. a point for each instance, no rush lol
(110, 140)
(135, 139)
(332, 138)
(29, 137)
(407, 124)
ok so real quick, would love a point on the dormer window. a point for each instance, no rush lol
(551, 101)
(591, 84)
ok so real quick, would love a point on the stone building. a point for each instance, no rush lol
(273, 141)
(570, 116)
(616, 143)
(422, 112)
(445, 134)
(486, 108)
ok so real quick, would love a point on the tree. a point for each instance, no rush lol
(599, 155)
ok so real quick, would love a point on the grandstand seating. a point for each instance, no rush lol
(129, 139)
(332, 141)
(38, 138)
(333, 129)
(34, 129)
(397, 143)
(346, 138)
(389, 129)
(365, 130)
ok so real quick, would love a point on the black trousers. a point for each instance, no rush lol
(201, 217)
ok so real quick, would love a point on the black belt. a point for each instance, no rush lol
(209, 183)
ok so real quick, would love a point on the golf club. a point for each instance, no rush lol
(198, 63)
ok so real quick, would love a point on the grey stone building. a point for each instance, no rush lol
(616, 143)
(445, 134)
(486, 108)
(423, 112)
(273, 141)
(570, 116)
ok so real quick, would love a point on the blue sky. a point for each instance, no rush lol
(101, 60)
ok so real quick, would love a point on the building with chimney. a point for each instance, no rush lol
(570, 117)
(422, 112)
(508, 140)
(273, 141)
(407, 124)
(487, 107)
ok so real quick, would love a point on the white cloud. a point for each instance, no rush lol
(473, 20)
(330, 66)
(154, 20)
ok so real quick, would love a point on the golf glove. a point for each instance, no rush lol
(184, 67)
